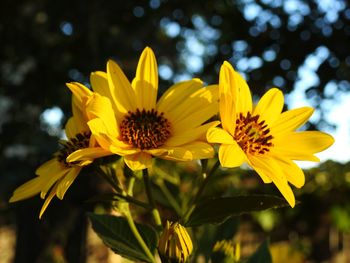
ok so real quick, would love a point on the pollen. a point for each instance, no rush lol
(80, 141)
(146, 129)
(253, 135)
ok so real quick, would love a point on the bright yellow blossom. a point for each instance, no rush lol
(128, 120)
(263, 136)
(56, 175)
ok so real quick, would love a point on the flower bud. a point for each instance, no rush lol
(175, 244)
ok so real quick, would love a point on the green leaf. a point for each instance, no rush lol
(261, 255)
(217, 210)
(116, 234)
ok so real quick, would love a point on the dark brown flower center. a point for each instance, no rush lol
(80, 141)
(146, 129)
(252, 135)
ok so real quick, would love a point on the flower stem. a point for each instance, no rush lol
(137, 234)
(169, 196)
(200, 191)
(131, 223)
(155, 212)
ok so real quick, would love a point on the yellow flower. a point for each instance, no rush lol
(175, 244)
(56, 175)
(263, 136)
(128, 120)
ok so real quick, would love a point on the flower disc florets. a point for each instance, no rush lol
(80, 141)
(252, 135)
(145, 129)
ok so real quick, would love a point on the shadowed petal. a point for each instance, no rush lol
(268, 167)
(231, 155)
(187, 136)
(138, 161)
(218, 135)
(191, 151)
(67, 181)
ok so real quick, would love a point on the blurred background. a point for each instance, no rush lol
(302, 47)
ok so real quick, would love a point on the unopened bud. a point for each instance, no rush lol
(175, 244)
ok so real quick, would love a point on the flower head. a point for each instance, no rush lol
(129, 121)
(264, 136)
(56, 175)
(175, 244)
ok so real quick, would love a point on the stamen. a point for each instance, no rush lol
(145, 129)
(252, 135)
(80, 141)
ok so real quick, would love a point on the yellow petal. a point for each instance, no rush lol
(87, 154)
(27, 190)
(176, 94)
(49, 167)
(188, 136)
(138, 161)
(100, 107)
(291, 120)
(234, 84)
(79, 91)
(99, 83)
(107, 142)
(231, 155)
(79, 115)
(218, 135)
(227, 101)
(71, 128)
(122, 93)
(47, 201)
(200, 100)
(67, 181)
(145, 83)
(292, 172)
(51, 180)
(270, 106)
(189, 152)
(308, 142)
(270, 168)
(227, 108)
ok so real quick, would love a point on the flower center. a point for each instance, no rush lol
(145, 129)
(80, 141)
(252, 135)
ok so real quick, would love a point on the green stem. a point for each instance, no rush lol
(131, 200)
(200, 190)
(137, 235)
(169, 197)
(206, 180)
(155, 211)
(131, 223)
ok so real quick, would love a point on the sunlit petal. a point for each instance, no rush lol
(291, 120)
(176, 94)
(145, 83)
(123, 96)
(270, 106)
(87, 154)
(218, 135)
